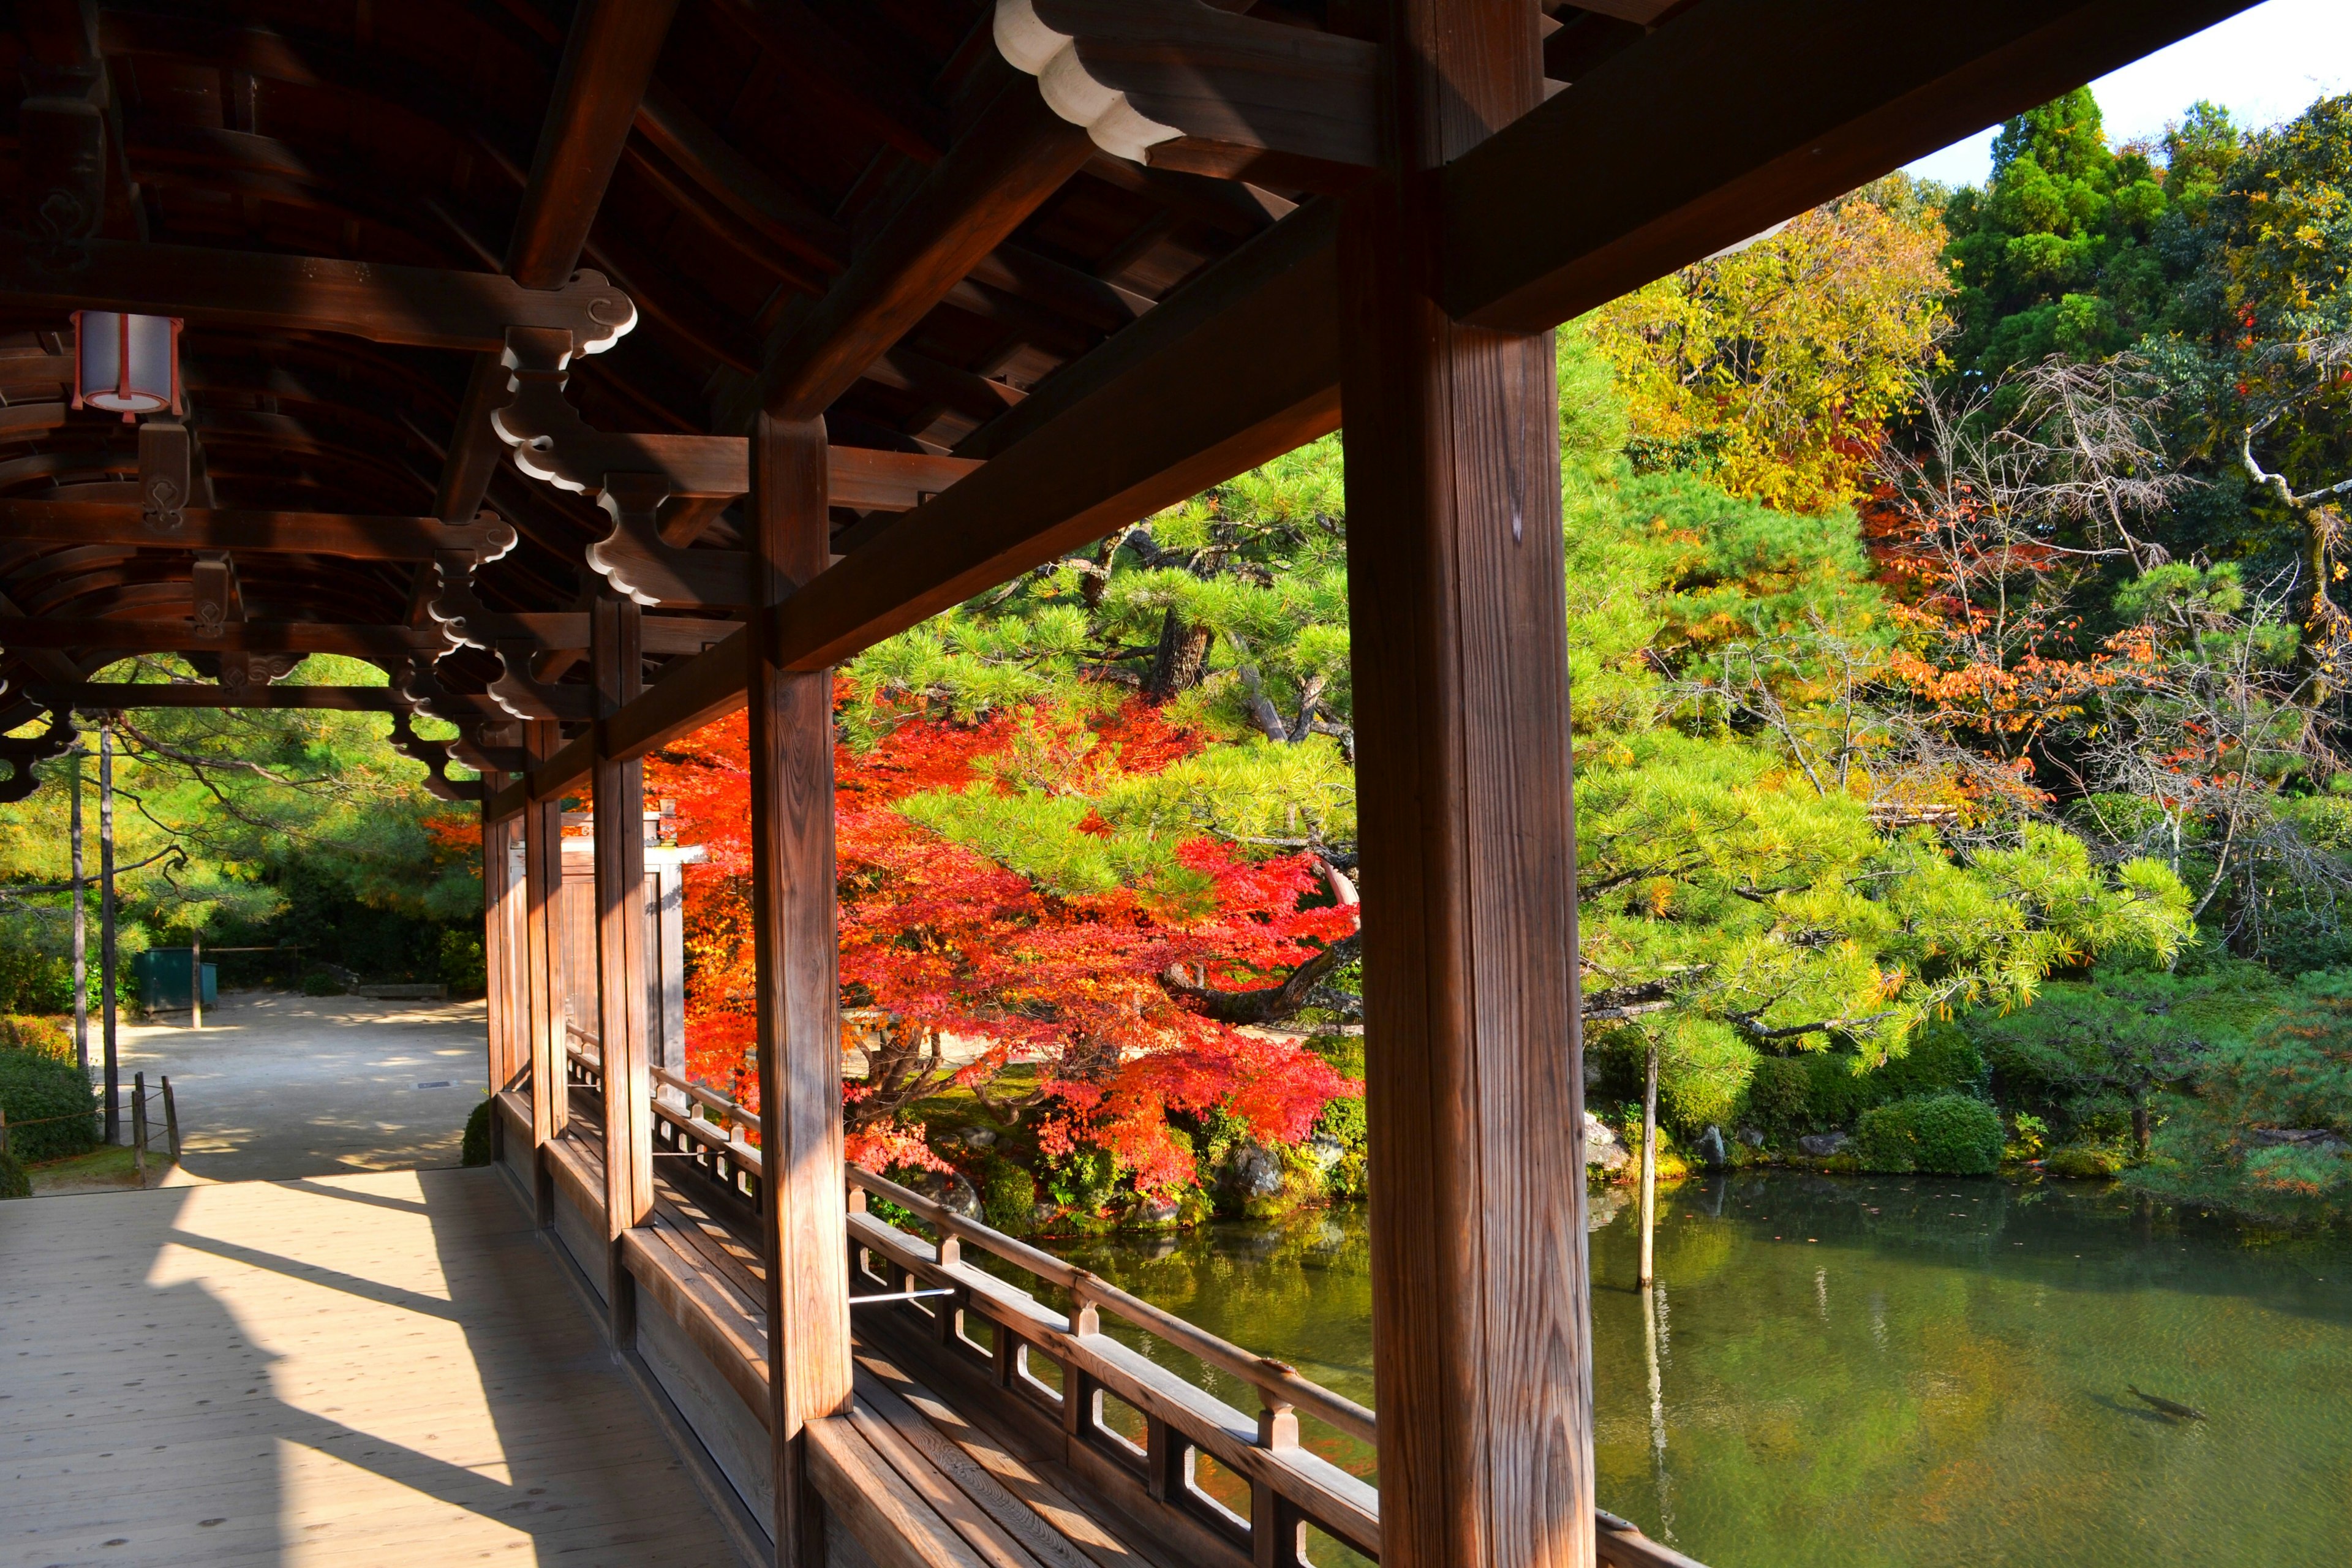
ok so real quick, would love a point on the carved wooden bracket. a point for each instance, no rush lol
(166, 474)
(489, 746)
(524, 697)
(217, 601)
(631, 477)
(434, 756)
(240, 671)
(61, 135)
(636, 561)
(1180, 84)
(20, 754)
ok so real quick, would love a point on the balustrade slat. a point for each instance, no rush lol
(1276, 1382)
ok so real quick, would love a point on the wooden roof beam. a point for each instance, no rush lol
(1730, 118)
(1153, 415)
(1016, 154)
(1180, 85)
(608, 61)
(541, 631)
(338, 534)
(427, 307)
(114, 695)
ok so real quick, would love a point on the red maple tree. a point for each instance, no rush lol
(1080, 1011)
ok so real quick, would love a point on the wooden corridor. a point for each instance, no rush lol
(380, 1370)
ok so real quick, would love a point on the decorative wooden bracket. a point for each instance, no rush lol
(217, 600)
(637, 561)
(631, 476)
(240, 671)
(20, 754)
(515, 693)
(489, 746)
(61, 135)
(166, 474)
(1179, 84)
(434, 756)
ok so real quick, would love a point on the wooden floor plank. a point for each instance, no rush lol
(1015, 1476)
(385, 1368)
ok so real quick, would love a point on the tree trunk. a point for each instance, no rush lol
(1183, 654)
(2141, 1133)
(1649, 1163)
(80, 933)
(2322, 623)
(106, 933)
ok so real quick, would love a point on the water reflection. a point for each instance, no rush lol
(1917, 1371)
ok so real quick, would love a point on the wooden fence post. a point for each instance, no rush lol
(139, 1125)
(1479, 1309)
(170, 1119)
(799, 994)
(618, 788)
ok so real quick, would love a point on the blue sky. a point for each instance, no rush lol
(2264, 66)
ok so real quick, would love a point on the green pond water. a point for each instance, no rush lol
(1889, 1371)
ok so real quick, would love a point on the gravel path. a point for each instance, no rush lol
(278, 1086)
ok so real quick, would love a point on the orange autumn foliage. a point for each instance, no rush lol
(945, 948)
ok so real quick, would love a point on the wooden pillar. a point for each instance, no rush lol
(1481, 1343)
(799, 992)
(543, 981)
(617, 790)
(497, 961)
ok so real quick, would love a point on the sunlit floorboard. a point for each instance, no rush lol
(375, 1369)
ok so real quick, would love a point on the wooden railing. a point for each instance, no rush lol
(682, 1128)
(1133, 1429)
(720, 1152)
(1218, 1483)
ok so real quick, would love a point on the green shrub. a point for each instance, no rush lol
(2082, 1163)
(464, 970)
(51, 1107)
(476, 1148)
(13, 1182)
(1943, 1134)
(1778, 1096)
(319, 983)
(1008, 1197)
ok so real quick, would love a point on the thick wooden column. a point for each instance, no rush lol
(544, 980)
(1479, 1292)
(618, 791)
(799, 993)
(508, 1024)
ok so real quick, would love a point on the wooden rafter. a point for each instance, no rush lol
(424, 305)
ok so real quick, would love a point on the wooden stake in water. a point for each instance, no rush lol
(1649, 1160)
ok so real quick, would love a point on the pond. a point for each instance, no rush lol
(1913, 1372)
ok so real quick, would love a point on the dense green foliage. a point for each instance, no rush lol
(2267, 1130)
(52, 1109)
(1940, 1134)
(253, 827)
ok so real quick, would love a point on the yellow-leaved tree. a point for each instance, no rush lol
(1775, 366)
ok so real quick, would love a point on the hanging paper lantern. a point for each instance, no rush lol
(127, 365)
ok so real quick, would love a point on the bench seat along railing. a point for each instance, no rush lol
(1136, 1432)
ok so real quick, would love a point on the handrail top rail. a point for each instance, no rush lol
(1276, 1382)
